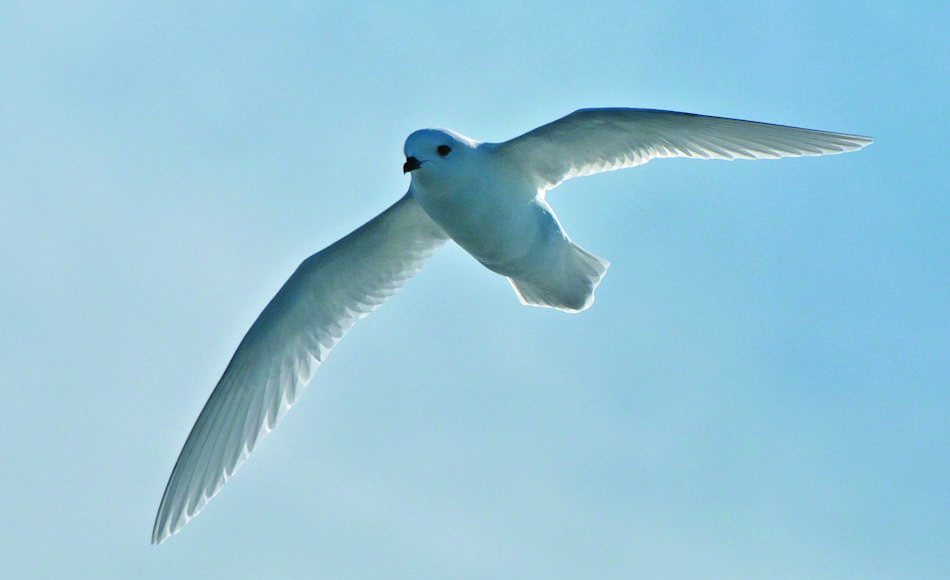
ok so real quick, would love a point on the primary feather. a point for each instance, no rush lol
(329, 292)
(590, 141)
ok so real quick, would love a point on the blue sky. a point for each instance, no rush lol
(760, 390)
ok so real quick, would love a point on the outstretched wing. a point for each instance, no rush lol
(329, 292)
(594, 140)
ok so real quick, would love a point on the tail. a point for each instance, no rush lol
(568, 285)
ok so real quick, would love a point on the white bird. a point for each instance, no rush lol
(487, 197)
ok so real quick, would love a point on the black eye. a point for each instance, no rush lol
(443, 150)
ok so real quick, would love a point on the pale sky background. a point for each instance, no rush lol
(761, 390)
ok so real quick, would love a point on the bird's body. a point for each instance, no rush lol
(487, 197)
(496, 213)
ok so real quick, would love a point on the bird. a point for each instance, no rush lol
(488, 198)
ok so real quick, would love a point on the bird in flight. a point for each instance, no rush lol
(489, 198)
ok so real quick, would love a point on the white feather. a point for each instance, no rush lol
(323, 298)
(590, 141)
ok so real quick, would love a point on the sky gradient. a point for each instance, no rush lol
(761, 389)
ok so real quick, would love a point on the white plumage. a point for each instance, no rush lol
(488, 198)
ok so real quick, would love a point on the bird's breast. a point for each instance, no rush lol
(498, 230)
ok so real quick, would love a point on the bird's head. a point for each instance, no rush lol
(432, 154)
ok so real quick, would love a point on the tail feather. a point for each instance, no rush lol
(569, 286)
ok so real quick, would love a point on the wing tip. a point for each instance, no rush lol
(160, 531)
(844, 143)
(861, 141)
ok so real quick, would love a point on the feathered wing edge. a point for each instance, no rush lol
(594, 140)
(278, 356)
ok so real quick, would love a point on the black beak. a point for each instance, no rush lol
(411, 164)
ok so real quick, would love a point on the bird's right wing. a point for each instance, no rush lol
(329, 292)
(594, 140)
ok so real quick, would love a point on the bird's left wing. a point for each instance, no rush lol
(594, 140)
(329, 292)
